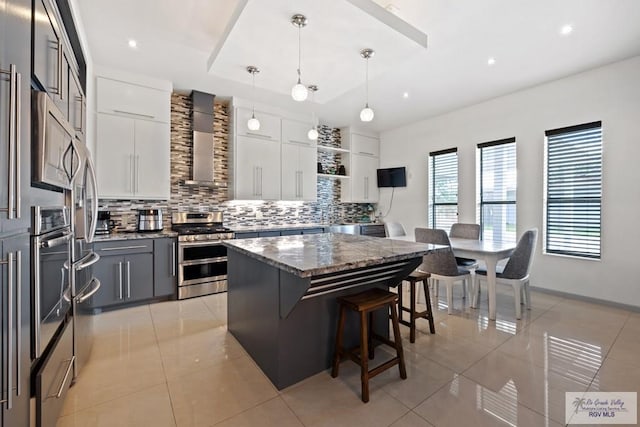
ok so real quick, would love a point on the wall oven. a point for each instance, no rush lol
(51, 245)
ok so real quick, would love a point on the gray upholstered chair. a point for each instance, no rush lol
(442, 264)
(515, 272)
(394, 229)
(465, 231)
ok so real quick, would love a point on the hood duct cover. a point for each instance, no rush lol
(203, 145)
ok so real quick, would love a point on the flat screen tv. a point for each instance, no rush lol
(392, 177)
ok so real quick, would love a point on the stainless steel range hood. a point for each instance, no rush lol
(203, 146)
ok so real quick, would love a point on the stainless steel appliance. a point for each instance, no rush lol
(149, 220)
(105, 224)
(53, 158)
(202, 258)
(51, 241)
(84, 199)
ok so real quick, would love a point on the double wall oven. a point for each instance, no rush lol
(202, 258)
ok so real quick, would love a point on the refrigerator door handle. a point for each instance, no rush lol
(85, 296)
(94, 201)
(87, 261)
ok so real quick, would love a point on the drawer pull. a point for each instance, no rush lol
(121, 248)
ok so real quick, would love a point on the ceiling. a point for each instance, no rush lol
(206, 45)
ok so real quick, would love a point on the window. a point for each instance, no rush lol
(498, 182)
(443, 188)
(573, 190)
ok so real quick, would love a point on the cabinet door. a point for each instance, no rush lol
(257, 169)
(115, 156)
(135, 101)
(296, 132)
(46, 50)
(164, 267)
(269, 125)
(16, 295)
(365, 145)
(307, 164)
(77, 104)
(364, 185)
(152, 160)
(110, 271)
(290, 172)
(138, 280)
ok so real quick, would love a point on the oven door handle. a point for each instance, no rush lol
(86, 295)
(200, 243)
(55, 241)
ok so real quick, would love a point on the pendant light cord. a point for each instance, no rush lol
(299, 51)
(253, 85)
(367, 82)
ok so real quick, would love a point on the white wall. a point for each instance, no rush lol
(610, 94)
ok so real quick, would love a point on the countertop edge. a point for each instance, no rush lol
(133, 236)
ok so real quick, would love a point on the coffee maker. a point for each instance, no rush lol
(105, 224)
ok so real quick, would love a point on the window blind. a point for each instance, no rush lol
(574, 190)
(443, 188)
(498, 183)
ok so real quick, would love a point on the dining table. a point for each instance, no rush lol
(489, 251)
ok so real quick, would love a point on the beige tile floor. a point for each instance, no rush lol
(175, 364)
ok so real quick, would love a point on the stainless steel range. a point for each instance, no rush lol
(202, 258)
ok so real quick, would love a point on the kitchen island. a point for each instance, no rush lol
(282, 294)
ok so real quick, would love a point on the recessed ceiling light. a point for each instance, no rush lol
(133, 44)
(491, 61)
(566, 30)
(405, 95)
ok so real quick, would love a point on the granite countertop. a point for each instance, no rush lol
(316, 254)
(126, 235)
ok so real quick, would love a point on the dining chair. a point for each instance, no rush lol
(515, 272)
(465, 231)
(394, 229)
(442, 264)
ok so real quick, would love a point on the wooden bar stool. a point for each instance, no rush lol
(366, 303)
(415, 277)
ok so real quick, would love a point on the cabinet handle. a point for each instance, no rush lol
(60, 71)
(78, 99)
(131, 173)
(128, 280)
(120, 248)
(137, 173)
(366, 152)
(173, 259)
(120, 279)
(65, 378)
(18, 320)
(259, 135)
(13, 181)
(134, 114)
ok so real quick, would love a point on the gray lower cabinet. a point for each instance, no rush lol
(125, 270)
(283, 232)
(164, 266)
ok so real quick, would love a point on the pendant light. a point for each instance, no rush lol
(299, 91)
(253, 123)
(366, 115)
(313, 132)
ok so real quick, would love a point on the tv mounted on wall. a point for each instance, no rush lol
(392, 177)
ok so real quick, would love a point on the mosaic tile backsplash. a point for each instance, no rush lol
(326, 209)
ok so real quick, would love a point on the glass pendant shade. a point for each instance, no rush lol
(313, 134)
(299, 92)
(366, 115)
(253, 123)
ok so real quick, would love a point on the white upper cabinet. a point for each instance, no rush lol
(361, 144)
(136, 101)
(296, 132)
(132, 158)
(363, 161)
(299, 169)
(256, 169)
(269, 124)
(133, 145)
